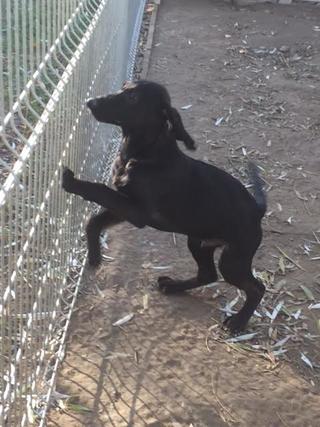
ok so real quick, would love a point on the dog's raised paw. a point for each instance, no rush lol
(67, 179)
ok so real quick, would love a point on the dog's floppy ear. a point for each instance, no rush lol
(178, 129)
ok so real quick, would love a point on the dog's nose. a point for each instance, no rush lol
(92, 103)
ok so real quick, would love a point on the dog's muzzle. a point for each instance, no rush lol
(92, 103)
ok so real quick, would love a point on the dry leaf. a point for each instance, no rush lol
(279, 352)
(276, 311)
(299, 195)
(161, 267)
(282, 265)
(289, 220)
(306, 360)
(229, 305)
(279, 285)
(280, 343)
(289, 258)
(219, 121)
(314, 306)
(75, 407)
(308, 293)
(296, 315)
(245, 337)
(116, 355)
(145, 302)
(123, 320)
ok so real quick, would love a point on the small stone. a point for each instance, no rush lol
(296, 57)
(284, 49)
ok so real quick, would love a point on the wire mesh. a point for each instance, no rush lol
(53, 56)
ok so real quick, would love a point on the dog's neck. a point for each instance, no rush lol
(147, 144)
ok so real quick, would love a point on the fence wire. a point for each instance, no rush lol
(53, 56)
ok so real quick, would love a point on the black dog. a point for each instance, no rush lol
(157, 185)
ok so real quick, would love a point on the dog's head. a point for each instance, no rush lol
(139, 105)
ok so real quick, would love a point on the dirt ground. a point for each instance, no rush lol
(252, 79)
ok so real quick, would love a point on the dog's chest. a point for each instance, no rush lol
(135, 179)
(122, 171)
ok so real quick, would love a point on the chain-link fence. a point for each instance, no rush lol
(53, 56)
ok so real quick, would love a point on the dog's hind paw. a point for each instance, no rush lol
(164, 283)
(169, 286)
(235, 324)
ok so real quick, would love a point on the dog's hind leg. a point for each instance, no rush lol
(206, 270)
(235, 266)
(104, 219)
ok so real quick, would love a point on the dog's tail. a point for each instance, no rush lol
(258, 191)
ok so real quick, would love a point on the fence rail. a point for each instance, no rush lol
(53, 56)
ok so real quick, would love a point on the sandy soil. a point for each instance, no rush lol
(258, 69)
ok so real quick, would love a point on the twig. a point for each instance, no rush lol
(207, 343)
(282, 420)
(273, 230)
(307, 209)
(290, 259)
(232, 419)
(316, 237)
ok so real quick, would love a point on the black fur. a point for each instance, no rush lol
(157, 185)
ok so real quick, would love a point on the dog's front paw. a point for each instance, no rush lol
(67, 179)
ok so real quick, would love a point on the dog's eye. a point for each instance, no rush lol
(132, 97)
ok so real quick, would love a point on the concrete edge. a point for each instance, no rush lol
(149, 43)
